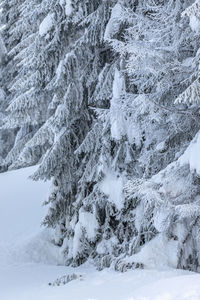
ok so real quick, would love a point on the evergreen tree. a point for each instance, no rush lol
(105, 95)
(72, 120)
(26, 108)
(166, 195)
(8, 40)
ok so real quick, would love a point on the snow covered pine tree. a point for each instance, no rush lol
(107, 92)
(25, 104)
(167, 192)
(9, 15)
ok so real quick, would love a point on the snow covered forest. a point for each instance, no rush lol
(103, 97)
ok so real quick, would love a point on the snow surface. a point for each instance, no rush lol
(29, 262)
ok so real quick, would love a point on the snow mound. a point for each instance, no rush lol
(191, 155)
(46, 24)
(159, 253)
(21, 213)
(21, 199)
(68, 6)
(36, 248)
(114, 22)
(193, 12)
(87, 222)
(112, 186)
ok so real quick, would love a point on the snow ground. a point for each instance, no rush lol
(28, 261)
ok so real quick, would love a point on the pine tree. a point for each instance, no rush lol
(166, 195)
(105, 95)
(73, 118)
(8, 39)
